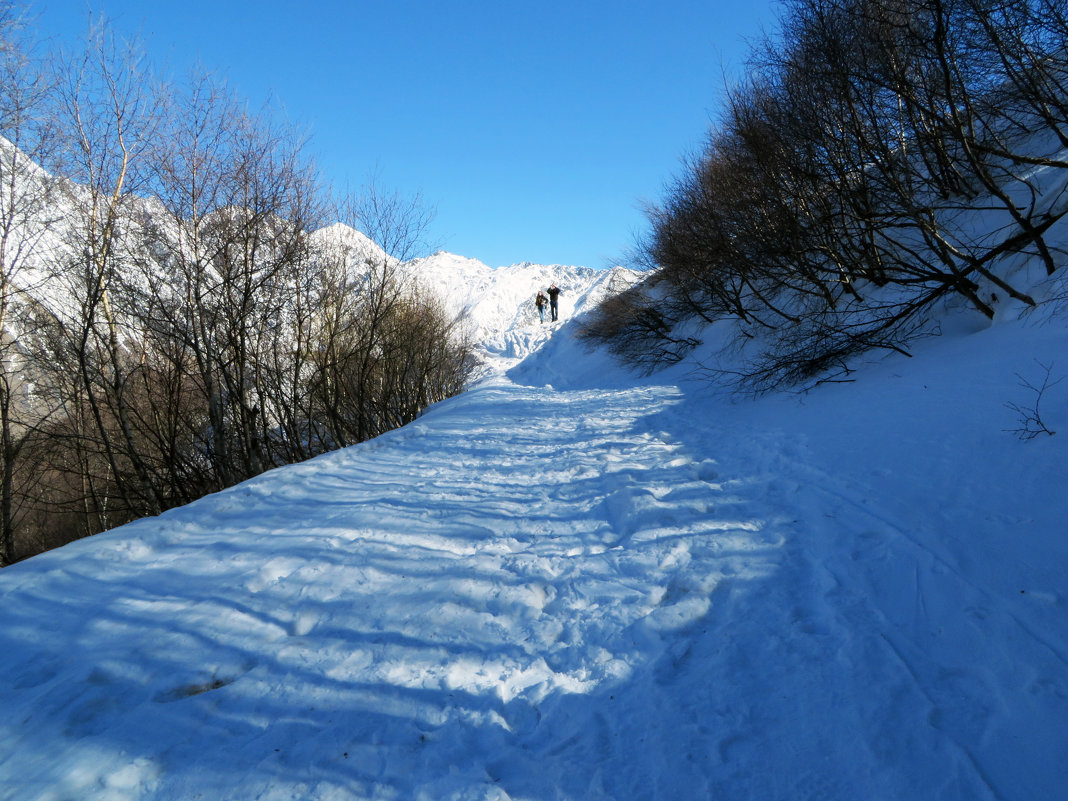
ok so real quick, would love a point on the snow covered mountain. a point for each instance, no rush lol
(497, 302)
(500, 301)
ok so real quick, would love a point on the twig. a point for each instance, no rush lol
(1030, 418)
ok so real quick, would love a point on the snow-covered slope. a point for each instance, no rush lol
(500, 301)
(568, 583)
(496, 303)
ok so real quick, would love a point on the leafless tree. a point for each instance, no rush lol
(234, 295)
(833, 204)
(385, 348)
(25, 194)
(199, 327)
(110, 115)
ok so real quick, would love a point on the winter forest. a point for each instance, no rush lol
(882, 157)
(171, 323)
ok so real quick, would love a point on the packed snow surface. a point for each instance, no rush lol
(569, 583)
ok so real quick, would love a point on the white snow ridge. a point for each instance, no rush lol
(569, 583)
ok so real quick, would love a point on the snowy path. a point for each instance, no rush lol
(535, 594)
(420, 615)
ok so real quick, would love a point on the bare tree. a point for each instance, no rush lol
(833, 205)
(199, 327)
(111, 114)
(25, 193)
(385, 348)
(231, 273)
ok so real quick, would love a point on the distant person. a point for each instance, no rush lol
(540, 302)
(554, 296)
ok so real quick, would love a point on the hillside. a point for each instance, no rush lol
(500, 301)
(570, 583)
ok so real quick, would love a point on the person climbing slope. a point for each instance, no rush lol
(554, 296)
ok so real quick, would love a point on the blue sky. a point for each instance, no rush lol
(536, 130)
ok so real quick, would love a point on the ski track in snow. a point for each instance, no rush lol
(407, 602)
(533, 593)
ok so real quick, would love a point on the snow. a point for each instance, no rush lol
(573, 583)
(496, 304)
(499, 302)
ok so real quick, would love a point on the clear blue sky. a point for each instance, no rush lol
(535, 129)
